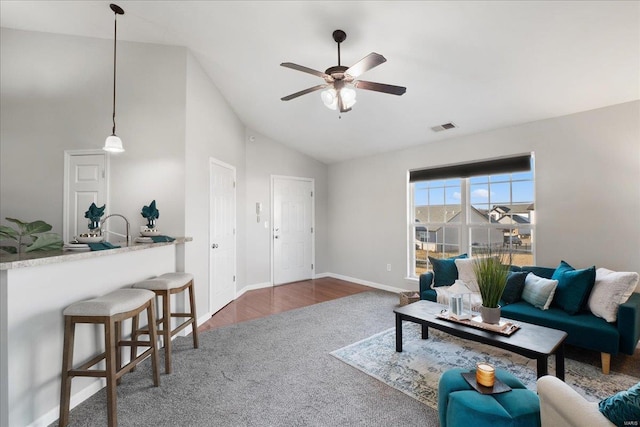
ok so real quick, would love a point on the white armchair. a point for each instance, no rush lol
(561, 406)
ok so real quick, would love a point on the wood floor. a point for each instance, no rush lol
(276, 299)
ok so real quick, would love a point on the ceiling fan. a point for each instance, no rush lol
(340, 81)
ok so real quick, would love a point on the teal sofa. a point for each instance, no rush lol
(584, 329)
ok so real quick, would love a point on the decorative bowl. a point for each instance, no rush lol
(149, 233)
(89, 238)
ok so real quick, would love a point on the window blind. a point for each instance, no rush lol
(465, 170)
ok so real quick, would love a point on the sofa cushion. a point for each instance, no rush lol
(611, 289)
(584, 329)
(622, 408)
(539, 291)
(515, 285)
(445, 272)
(545, 272)
(574, 287)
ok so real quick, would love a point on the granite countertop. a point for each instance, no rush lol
(31, 259)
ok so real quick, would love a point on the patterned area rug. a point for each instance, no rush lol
(417, 369)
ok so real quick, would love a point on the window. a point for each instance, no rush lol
(472, 208)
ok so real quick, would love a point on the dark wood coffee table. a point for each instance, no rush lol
(532, 341)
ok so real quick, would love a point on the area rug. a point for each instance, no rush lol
(418, 368)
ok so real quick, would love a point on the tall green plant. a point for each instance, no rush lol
(31, 235)
(491, 273)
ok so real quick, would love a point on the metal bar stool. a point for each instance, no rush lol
(164, 286)
(109, 310)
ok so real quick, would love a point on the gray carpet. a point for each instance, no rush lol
(275, 371)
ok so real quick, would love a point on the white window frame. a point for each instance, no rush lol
(465, 226)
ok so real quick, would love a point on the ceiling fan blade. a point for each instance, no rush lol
(380, 87)
(303, 92)
(303, 69)
(365, 64)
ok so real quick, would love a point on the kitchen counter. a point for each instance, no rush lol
(31, 259)
(35, 288)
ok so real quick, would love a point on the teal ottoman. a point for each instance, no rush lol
(459, 405)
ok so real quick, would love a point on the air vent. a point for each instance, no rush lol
(442, 127)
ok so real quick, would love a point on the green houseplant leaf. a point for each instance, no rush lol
(29, 231)
(491, 274)
(45, 242)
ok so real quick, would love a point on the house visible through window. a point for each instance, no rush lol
(472, 208)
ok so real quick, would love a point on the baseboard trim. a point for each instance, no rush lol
(76, 399)
(363, 282)
(252, 288)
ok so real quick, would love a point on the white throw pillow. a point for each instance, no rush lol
(611, 289)
(466, 273)
(539, 291)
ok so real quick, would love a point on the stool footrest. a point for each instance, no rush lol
(87, 373)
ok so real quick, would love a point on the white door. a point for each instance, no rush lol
(292, 229)
(85, 183)
(222, 234)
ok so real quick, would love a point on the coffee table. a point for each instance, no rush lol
(531, 341)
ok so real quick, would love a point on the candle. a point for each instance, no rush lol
(485, 374)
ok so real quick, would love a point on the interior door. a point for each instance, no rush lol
(292, 229)
(85, 183)
(222, 235)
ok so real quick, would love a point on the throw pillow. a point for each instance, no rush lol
(466, 273)
(445, 272)
(539, 291)
(574, 287)
(611, 289)
(622, 408)
(515, 285)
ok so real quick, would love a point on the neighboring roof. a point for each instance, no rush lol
(515, 208)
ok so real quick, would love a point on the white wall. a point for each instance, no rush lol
(213, 131)
(587, 194)
(56, 95)
(265, 158)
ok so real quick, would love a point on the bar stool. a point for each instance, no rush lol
(164, 286)
(109, 310)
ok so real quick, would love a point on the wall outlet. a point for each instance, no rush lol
(388, 267)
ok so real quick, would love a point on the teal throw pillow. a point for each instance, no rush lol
(445, 272)
(622, 409)
(515, 285)
(574, 287)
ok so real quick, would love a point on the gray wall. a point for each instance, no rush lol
(213, 131)
(587, 169)
(56, 95)
(265, 158)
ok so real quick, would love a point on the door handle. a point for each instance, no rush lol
(276, 237)
(214, 246)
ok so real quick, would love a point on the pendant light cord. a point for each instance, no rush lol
(115, 36)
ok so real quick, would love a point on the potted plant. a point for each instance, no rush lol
(491, 274)
(29, 236)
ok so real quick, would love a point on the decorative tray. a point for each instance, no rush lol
(505, 327)
(498, 386)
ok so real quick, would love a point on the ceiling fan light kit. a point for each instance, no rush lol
(340, 81)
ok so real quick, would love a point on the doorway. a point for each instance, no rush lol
(222, 234)
(293, 229)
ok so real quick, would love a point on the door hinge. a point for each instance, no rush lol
(312, 194)
(312, 266)
(234, 231)
(234, 184)
(311, 230)
(234, 278)
(103, 173)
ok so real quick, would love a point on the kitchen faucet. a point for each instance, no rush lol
(128, 236)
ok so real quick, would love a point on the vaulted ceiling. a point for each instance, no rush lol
(479, 64)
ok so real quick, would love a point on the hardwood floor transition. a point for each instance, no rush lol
(263, 302)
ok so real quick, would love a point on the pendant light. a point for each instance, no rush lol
(113, 143)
